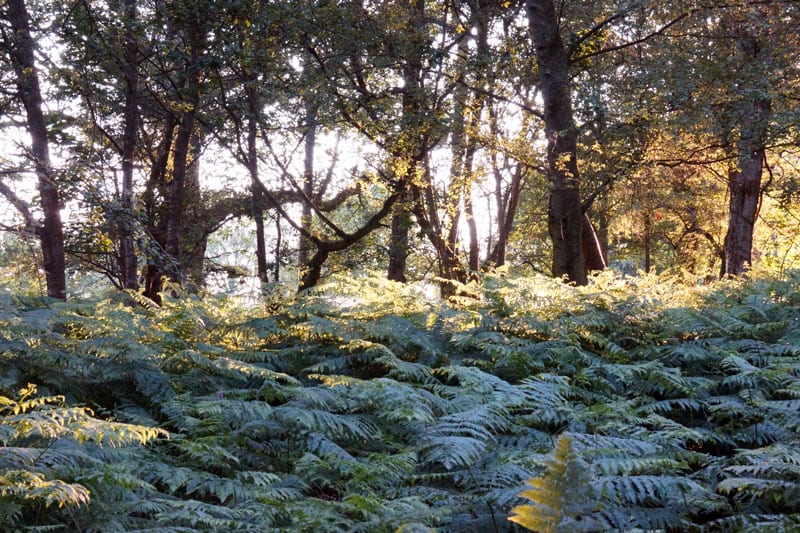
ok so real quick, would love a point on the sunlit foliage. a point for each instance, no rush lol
(365, 405)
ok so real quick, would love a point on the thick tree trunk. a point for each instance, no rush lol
(744, 181)
(398, 241)
(744, 188)
(565, 218)
(128, 262)
(51, 232)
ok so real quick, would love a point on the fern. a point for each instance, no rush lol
(561, 500)
(362, 406)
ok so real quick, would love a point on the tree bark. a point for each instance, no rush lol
(51, 231)
(744, 181)
(156, 218)
(398, 241)
(592, 248)
(180, 164)
(128, 261)
(313, 273)
(565, 217)
(256, 196)
(304, 246)
(744, 187)
(506, 199)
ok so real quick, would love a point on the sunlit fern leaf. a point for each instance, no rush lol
(141, 300)
(34, 486)
(232, 412)
(405, 370)
(560, 497)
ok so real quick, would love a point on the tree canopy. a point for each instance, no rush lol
(431, 140)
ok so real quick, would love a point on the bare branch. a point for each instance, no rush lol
(20, 205)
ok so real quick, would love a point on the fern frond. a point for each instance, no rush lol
(560, 496)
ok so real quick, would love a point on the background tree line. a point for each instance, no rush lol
(422, 138)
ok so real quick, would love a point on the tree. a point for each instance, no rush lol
(753, 53)
(20, 48)
(565, 216)
(128, 258)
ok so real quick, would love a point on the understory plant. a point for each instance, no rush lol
(633, 403)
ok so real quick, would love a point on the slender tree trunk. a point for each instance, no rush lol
(463, 154)
(565, 218)
(592, 248)
(176, 203)
(459, 177)
(128, 262)
(256, 198)
(469, 212)
(198, 220)
(304, 247)
(276, 273)
(648, 232)
(506, 199)
(424, 209)
(51, 232)
(156, 218)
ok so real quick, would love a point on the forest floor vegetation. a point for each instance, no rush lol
(634, 403)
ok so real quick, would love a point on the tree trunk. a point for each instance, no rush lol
(398, 241)
(744, 181)
(424, 209)
(313, 274)
(506, 200)
(256, 197)
(744, 188)
(474, 249)
(51, 232)
(199, 220)
(128, 263)
(565, 217)
(592, 248)
(276, 273)
(156, 218)
(304, 246)
(648, 233)
(176, 200)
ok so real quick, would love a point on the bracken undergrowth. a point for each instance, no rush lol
(634, 403)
